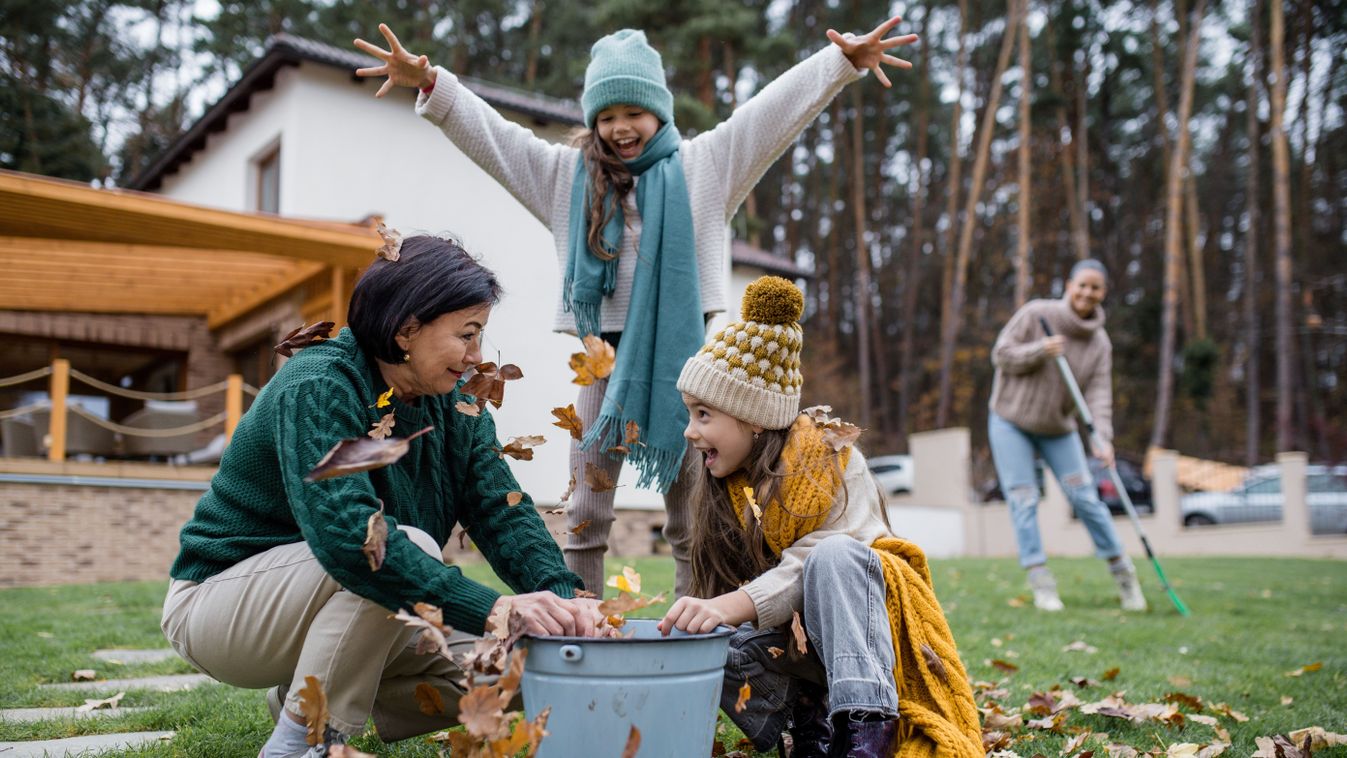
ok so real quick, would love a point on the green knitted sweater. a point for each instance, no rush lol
(259, 499)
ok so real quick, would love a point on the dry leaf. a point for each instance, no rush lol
(585, 594)
(386, 399)
(514, 498)
(627, 581)
(1183, 698)
(569, 420)
(632, 436)
(94, 705)
(580, 527)
(996, 720)
(391, 249)
(468, 409)
(313, 705)
(480, 711)
(1287, 700)
(1307, 669)
(1005, 666)
(619, 450)
(633, 743)
(934, 664)
(429, 699)
(836, 432)
(1111, 674)
(1227, 711)
(625, 603)
(745, 692)
(361, 454)
(570, 490)
(430, 621)
(384, 426)
(1080, 646)
(303, 337)
(346, 751)
(775, 652)
(488, 384)
(753, 504)
(83, 675)
(376, 539)
(593, 364)
(1318, 737)
(521, 448)
(598, 479)
(797, 633)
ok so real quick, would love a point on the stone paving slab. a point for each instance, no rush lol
(29, 715)
(136, 656)
(88, 745)
(170, 683)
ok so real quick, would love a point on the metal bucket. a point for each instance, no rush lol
(668, 687)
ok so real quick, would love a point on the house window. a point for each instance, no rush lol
(269, 182)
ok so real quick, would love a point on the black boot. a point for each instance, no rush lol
(870, 738)
(811, 732)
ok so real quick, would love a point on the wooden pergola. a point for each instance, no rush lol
(67, 247)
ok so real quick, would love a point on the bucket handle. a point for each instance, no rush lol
(571, 653)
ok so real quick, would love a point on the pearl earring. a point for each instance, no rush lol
(755, 436)
(406, 357)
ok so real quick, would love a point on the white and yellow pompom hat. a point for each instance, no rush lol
(751, 368)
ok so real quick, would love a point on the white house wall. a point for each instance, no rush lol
(345, 155)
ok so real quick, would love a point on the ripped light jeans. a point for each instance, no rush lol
(1013, 452)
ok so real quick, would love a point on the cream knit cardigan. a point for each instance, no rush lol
(721, 167)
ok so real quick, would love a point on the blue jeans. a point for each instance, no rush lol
(850, 646)
(1013, 452)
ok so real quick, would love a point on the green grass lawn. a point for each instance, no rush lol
(1253, 621)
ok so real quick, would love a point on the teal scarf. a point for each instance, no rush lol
(664, 325)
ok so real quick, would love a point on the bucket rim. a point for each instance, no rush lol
(724, 630)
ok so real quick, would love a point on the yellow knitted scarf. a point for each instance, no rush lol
(938, 716)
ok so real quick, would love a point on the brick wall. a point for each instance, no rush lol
(74, 534)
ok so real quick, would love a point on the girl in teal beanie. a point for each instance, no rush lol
(640, 218)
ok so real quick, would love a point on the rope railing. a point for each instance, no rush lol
(113, 389)
(22, 410)
(28, 377)
(136, 431)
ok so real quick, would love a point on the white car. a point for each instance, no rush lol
(1259, 498)
(894, 473)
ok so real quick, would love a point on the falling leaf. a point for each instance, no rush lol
(595, 363)
(468, 409)
(569, 420)
(521, 448)
(580, 527)
(480, 711)
(597, 479)
(384, 426)
(627, 581)
(1111, 674)
(633, 743)
(351, 456)
(313, 705)
(934, 664)
(1307, 669)
(625, 603)
(488, 384)
(775, 652)
(819, 413)
(391, 249)
(1005, 666)
(376, 539)
(514, 498)
(83, 675)
(429, 699)
(753, 504)
(94, 705)
(632, 436)
(836, 432)
(430, 621)
(386, 399)
(585, 593)
(303, 337)
(745, 692)
(797, 632)
(619, 450)
(570, 490)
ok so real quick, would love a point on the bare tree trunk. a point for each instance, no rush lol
(1281, 209)
(834, 310)
(953, 194)
(1068, 163)
(912, 280)
(1026, 87)
(864, 298)
(1196, 269)
(1253, 388)
(1080, 140)
(535, 33)
(1173, 224)
(950, 334)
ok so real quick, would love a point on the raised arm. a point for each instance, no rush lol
(754, 136)
(527, 166)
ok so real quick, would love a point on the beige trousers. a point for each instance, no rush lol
(584, 551)
(277, 617)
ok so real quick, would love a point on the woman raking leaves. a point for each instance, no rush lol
(639, 218)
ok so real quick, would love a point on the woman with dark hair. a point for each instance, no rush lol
(270, 584)
(1033, 414)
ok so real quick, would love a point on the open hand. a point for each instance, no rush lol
(401, 67)
(870, 50)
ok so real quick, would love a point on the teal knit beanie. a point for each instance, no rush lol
(625, 70)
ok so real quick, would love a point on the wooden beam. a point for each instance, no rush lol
(42, 248)
(58, 302)
(340, 296)
(60, 390)
(233, 404)
(279, 285)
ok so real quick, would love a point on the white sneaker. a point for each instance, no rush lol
(1044, 585)
(1129, 588)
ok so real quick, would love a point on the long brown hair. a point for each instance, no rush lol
(606, 171)
(726, 554)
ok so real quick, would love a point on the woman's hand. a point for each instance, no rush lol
(872, 49)
(401, 67)
(697, 616)
(1054, 346)
(543, 613)
(1102, 450)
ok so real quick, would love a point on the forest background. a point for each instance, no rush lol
(1197, 147)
